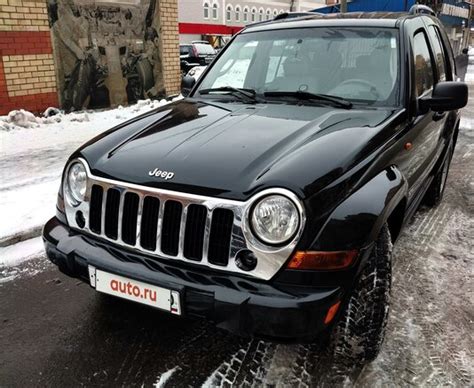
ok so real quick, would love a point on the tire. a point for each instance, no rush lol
(359, 333)
(434, 194)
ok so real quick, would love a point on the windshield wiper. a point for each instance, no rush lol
(248, 95)
(300, 95)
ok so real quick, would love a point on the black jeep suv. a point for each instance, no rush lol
(269, 198)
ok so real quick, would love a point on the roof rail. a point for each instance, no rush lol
(421, 9)
(292, 15)
(284, 16)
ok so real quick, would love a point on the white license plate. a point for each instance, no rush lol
(135, 291)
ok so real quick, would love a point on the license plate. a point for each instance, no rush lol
(135, 291)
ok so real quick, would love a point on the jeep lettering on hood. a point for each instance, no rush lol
(161, 174)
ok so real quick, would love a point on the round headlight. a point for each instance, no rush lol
(275, 220)
(77, 182)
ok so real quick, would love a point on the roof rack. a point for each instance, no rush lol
(292, 15)
(285, 16)
(421, 9)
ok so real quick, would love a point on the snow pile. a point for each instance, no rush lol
(19, 119)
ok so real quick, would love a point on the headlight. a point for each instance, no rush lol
(76, 183)
(275, 220)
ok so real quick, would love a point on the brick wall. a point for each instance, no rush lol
(170, 45)
(27, 77)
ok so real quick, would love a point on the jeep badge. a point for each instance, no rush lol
(161, 174)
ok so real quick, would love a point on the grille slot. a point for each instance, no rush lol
(194, 232)
(95, 210)
(171, 226)
(149, 225)
(112, 213)
(129, 218)
(219, 239)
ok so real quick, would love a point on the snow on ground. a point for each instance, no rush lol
(33, 151)
(17, 253)
(14, 256)
(161, 382)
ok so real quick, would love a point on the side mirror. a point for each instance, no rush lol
(187, 84)
(446, 96)
(465, 51)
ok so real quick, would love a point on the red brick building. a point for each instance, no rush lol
(27, 77)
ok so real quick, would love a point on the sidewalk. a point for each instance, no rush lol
(32, 160)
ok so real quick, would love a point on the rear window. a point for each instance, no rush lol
(205, 49)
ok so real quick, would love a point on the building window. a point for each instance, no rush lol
(237, 14)
(269, 14)
(260, 15)
(215, 9)
(246, 14)
(228, 13)
(281, 11)
(275, 13)
(206, 10)
(254, 14)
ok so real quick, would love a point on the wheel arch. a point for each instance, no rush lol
(356, 222)
(396, 218)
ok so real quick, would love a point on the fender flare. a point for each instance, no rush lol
(357, 221)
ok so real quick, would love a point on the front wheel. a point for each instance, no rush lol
(358, 335)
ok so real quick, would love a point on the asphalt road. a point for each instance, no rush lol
(56, 331)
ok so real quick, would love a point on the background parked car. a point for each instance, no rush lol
(195, 54)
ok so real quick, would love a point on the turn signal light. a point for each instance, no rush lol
(331, 312)
(322, 260)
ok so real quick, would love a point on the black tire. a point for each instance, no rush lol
(435, 192)
(359, 333)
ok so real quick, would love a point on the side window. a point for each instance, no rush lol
(423, 65)
(439, 53)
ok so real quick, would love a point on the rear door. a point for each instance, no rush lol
(426, 128)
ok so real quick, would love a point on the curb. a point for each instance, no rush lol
(21, 236)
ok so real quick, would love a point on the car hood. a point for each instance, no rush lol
(233, 150)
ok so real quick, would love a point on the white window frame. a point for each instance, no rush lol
(261, 15)
(246, 14)
(253, 15)
(228, 13)
(215, 11)
(206, 9)
(237, 13)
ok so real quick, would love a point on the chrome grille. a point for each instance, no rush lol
(170, 230)
(178, 226)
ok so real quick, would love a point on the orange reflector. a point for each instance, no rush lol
(322, 260)
(332, 312)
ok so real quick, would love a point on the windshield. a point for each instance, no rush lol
(184, 50)
(357, 64)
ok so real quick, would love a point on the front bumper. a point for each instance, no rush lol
(238, 304)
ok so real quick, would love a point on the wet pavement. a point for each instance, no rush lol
(57, 331)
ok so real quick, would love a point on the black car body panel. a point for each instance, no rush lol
(353, 170)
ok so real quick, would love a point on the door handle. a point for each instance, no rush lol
(438, 116)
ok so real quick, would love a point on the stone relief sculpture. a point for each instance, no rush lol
(107, 52)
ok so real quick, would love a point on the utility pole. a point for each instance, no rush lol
(343, 7)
